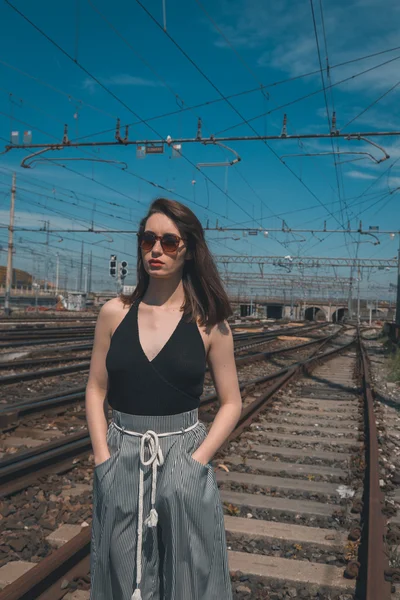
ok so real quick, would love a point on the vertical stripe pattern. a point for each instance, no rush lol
(185, 556)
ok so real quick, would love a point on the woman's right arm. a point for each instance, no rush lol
(96, 388)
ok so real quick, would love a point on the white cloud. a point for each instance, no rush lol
(36, 220)
(284, 33)
(360, 175)
(122, 79)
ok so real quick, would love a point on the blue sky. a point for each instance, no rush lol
(238, 45)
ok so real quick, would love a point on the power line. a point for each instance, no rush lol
(173, 92)
(306, 96)
(371, 105)
(54, 89)
(183, 109)
(307, 261)
(105, 88)
(238, 55)
(325, 96)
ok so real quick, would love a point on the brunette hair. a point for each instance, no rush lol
(205, 297)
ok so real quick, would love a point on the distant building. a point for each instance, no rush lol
(19, 277)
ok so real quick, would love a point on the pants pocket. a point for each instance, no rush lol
(103, 478)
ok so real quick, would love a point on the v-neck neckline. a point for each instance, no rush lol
(166, 343)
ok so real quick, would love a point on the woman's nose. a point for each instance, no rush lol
(157, 247)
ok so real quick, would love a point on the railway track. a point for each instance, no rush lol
(249, 366)
(300, 510)
(18, 337)
(242, 343)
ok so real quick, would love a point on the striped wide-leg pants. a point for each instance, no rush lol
(158, 528)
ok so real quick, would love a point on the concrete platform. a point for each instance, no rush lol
(295, 452)
(290, 571)
(276, 466)
(308, 439)
(269, 530)
(282, 483)
(12, 570)
(306, 508)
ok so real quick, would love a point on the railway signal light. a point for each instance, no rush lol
(123, 271)
(113, 265)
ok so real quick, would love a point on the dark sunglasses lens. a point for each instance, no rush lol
(148, 240)
(170, 243)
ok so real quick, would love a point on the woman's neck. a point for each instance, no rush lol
(165, 292)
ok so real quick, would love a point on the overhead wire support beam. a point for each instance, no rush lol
(199, 139)
(308, 261)
(295, 230)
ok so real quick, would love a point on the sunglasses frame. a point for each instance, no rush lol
(159, 238)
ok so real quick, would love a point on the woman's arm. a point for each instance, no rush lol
(96, 388)
(221, 361)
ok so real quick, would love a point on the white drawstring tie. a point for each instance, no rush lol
(156, 459)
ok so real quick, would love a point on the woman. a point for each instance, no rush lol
(158, 528)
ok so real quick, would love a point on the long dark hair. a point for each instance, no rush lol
(205, 297)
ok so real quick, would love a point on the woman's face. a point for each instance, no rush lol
(169, 263)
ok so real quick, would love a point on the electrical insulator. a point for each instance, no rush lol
(113, 265)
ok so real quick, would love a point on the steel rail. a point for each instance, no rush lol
(377, 560)
(240, 342)
(33, 584)
(9, 414)
(19, 344)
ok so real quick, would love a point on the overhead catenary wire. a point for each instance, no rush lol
(306, 96)
(55, 89)
(245, 121)
(162, 80)
(391, 89)
(176, 96)
(105, 88)
(245, 63)
(183, 109)
(326, 97)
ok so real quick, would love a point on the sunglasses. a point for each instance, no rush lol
(169, 241)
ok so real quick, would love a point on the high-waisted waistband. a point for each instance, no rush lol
(159, 424)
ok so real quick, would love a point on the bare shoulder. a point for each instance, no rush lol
(112, 307)
(112, 313)
(211, 333)
(221, 330)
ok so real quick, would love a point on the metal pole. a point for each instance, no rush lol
(47, 225)
(81, 270)
(398, 287)
(291, 303)
(358, 297)
(57, 271)
(10, 250)
(90, 273)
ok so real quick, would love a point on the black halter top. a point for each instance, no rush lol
(169, 384)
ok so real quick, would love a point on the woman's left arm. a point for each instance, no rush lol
(221, 362)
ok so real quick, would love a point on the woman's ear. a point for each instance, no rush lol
(188, 255)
